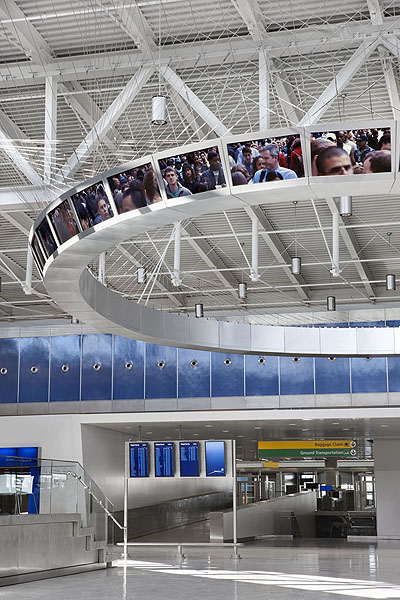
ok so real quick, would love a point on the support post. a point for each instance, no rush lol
(263, 90)
(28, 278)
(335, 244)
(235, 554)
(126, 502)
(176, 279)
(254, 275)
(50, 128)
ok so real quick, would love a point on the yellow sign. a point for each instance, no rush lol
(271, 465)
(301, 444)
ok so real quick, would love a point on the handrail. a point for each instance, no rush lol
(100, 502)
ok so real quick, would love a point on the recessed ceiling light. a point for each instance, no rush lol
(292, 423)
(304, 429)
(346, 429)
(208, 425)
(195, 434)
(384, 425)
(225, 431)
(257, 427)
(240, 436)
(306, 419)
(128, 427)
(336, 423)
(149, 432)
(254, 440)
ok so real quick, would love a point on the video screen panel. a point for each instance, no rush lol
(92, 206)
(139, 459)
(265, 160)
(164, 459)
(47, 238)
(193, 172)
(38, 253)
(215, 459)
(351, 152)
(63, 222)
(134, 188)
(189, 459)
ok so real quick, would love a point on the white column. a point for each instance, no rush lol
(176, 278)
(335, 244)
(50, 127)
(387, 486)
(263, 89)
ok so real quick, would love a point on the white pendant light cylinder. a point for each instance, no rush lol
(331, 303)
(199, 311)
(141, 275)
(254, 275)
(159, 115)
(390, 282)
(346, 206)
(176, 279)
(335, 245)
(242, 290)
(296, 265)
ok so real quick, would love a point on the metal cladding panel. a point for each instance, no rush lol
(96, 350)
(161, 377)
(368, 376)
(34, 356)
(9, 355)
(332, 376)
(65, 368)
(297, 376)
(128, 374)
(262, 375)
(394, 373)
(193, 373)
(227, 379)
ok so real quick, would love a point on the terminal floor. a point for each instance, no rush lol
(273, 569)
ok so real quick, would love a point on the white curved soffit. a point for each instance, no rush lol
(71, 285)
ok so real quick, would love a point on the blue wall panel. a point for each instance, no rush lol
(65, 352)
(34, 352)
(193, 381)
(9, 356)
(96, 349)
(394, 373)
(368, 376)
(262, 379)
(227, 380)
(160, 382)
(296, 377)
(332, 377)
(128, 382)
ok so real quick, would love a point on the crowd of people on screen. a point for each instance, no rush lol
(348, 152)
(92, 206)
(192, 173)
(271, 159)
(134, 188)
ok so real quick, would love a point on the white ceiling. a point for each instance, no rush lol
(93, 49)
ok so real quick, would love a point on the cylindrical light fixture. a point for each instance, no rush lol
(345, 206)
(296, 265)
(242, 290)
(390, 282)
(159, 110)
(198, 311)
(331, 303)
(141, 275)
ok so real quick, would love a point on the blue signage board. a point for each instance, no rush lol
(139, 459)
(215, 459)
(164, 459)
(189, 459)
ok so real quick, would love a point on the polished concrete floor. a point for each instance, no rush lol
(273, 569)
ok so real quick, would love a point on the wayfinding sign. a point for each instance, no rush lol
(308, 449)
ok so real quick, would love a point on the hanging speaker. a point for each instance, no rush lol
(198, 311)
(390, 282)
(296, 265)
(331, 303)
(159, 113)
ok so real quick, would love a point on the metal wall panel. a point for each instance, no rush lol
(9, 357)
(394, 373)
(193, 373)
(368, 376)
(262, 375)
(128, 372)
(227, 379)
(65, 368)
(332, 376)
(96, 350)
(297, 377)
(161, 376)
(34, 354)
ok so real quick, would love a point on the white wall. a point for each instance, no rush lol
(387, 482)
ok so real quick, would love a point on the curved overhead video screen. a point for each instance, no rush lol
(265, 160)
(134, 188)
(46, 237)
(92, 206)
(351, 151)
(193, 172)
(64, 222)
